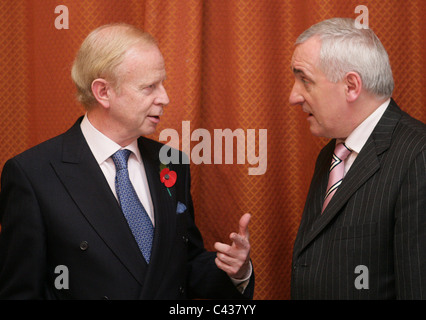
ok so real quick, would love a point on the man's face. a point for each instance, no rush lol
(137, 104)
(324, 101)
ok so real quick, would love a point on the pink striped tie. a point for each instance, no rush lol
(336, 172)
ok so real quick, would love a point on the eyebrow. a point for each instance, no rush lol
(297, 71)
(151, 81)
(302, 73)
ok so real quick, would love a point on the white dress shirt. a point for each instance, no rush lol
(357, 139)
(103, 148)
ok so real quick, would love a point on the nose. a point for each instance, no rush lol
(162, 97)
(296, 98)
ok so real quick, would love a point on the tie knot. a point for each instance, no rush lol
(120, 159)
(342, 151)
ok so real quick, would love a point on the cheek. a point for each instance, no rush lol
(330, 115)
(142, 104)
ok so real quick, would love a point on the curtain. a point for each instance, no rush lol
(228, 66)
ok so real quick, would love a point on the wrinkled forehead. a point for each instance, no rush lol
(306, 56)
(308, 50)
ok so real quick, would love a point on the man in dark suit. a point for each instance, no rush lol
(363, 230)
(66, 230)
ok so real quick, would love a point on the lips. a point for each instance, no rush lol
(155, 119)
(306, 111)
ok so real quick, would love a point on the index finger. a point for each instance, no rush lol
(243, 225)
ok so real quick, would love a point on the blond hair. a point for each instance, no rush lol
(100, 54)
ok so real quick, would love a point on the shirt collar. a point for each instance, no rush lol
(356, 140)
(101, 146)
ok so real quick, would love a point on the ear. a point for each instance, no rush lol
(353, 86)
(101, 91)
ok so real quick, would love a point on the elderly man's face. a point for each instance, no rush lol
(138, 102)
(324, 101)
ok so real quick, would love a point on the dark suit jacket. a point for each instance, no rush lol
(56, 208)
(376, 220)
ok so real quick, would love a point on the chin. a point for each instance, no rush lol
(319, 131)
(148, 131)
(316, 132)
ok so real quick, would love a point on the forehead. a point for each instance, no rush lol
(306, 56)
(143, 61)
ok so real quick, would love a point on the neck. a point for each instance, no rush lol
(100, 120)
(364, 107)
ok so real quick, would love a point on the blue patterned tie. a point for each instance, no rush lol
(132, 208)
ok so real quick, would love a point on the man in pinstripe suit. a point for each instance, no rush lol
(369, 242)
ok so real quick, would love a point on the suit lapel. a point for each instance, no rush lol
(366, 165)
(86, 184)
(165, 219)
(363, 168)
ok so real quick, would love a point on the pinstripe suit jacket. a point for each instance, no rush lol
(376, 220)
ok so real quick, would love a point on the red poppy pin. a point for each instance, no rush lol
(168, 177)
